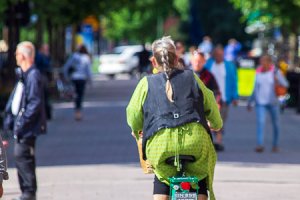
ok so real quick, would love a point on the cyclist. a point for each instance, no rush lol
(172, 108)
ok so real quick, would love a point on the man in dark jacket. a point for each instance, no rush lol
(27, 111)
(43, 63)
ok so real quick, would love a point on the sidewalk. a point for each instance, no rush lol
(98, 182)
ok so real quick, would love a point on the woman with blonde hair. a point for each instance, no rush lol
(171, 110)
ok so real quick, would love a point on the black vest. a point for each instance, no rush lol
(160, 113)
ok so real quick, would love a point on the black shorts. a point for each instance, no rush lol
(164, 189)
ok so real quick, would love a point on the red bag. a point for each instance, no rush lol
(279, 89)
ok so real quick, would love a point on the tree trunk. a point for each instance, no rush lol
(61, 45)
(54, 45)
(50, 37)
(13, 40)
(40, 33)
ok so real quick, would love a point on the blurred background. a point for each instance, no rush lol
(259, 26)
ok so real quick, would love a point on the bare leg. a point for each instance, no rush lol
(160, 197)
(202, 197)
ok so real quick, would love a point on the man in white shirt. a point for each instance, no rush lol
(225, 75)
(219, 72)
(26, 105)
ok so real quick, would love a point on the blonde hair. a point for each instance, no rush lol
(164, 51)
(27, 49)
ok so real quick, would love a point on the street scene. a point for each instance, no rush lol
(97, 158)
(162, 100)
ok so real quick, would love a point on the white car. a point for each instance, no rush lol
(123, 59)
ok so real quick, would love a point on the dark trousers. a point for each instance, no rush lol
(79, 90)
(48, 106)
(24, 153)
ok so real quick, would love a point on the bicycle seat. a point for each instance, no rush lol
(182, 159)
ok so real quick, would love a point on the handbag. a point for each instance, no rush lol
(71, 70)
(279, 89)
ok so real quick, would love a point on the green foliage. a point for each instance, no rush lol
(142, 21)
(63, 12)
(270, 12)
(182, 6)
(137, 22)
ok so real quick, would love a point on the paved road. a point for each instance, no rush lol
(97, 158)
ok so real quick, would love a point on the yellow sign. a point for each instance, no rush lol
(246, 79)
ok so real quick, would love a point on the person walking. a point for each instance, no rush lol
(78, 70)
(232, 49)
(170, 110)
(198, 62)
(144, 62)
(226, 77)
(26, 117)
(183, 58)
(266, 100)
(43, 63)
(206, 46)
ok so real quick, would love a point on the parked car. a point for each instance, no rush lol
(123, 59)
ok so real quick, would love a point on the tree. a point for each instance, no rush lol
(139, 22)
(53, 17)
(273, 13)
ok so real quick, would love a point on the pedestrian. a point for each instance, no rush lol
(43, 63)
(144, 62)
(26, 117)
(78, 70)
(170, 111)
(3, 54)
(206, 46)
(226, 77)
(265, 100)
(189, 56)
(183, 58)
(198, 62)
(232, 49)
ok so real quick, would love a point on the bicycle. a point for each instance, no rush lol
(181, 185)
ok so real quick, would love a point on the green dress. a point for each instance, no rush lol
(188, 139)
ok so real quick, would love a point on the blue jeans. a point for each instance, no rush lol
(261, 121)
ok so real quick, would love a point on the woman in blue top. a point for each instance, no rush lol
(78, 70)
